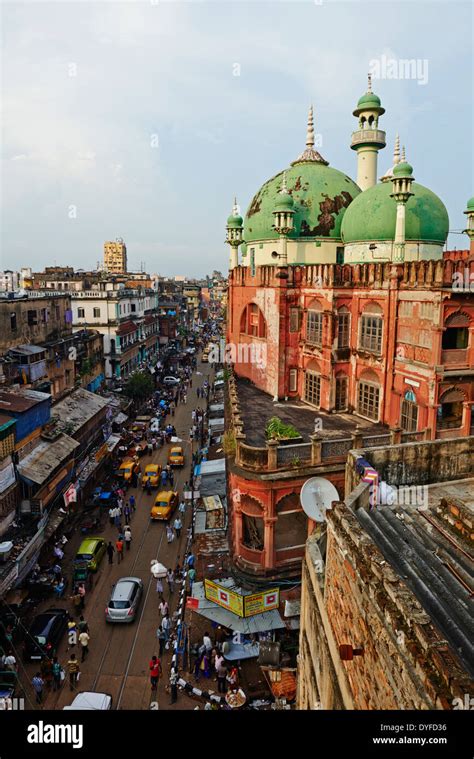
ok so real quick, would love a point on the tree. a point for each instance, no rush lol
(139, 386)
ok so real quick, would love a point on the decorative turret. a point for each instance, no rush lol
(396, 159)
(402, 181)
(470, 220)
(368, 139)
(234, 234)
(283, 214)
(309, 153)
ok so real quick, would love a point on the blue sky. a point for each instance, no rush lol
(130, 118)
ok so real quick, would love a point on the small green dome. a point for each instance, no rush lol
(372, 216)
(470, 204)
(234, 221)
(369, 99)
(320, 197)
(403, 169)
(284, 202)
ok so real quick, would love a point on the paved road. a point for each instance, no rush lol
(119, 654)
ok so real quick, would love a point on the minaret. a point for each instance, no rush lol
(234, 234)
(368, 139)
(470, 222)
(283, 214)
(309, 153)
(396, 159)
(401, 183)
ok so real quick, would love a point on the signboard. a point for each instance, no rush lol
(192, 603)
(257, 603)
(70, 496)
(103, 451)
(221, 596)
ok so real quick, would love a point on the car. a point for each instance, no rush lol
(164, 505)
(45, 633)
(171, 381)
(124, 600)
(126, 469)
(152, 475)
(176, 456)
(87, 700)
(92, 551)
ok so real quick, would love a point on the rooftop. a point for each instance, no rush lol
(21, 400)
(76, 410)
(45, 458)
(258, 408)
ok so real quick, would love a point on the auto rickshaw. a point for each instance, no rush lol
(82, 574)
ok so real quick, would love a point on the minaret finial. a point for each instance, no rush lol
(369, 83)
(284, 189)
(396, 150)
(235, 210)
(310, 130)
(403, 154)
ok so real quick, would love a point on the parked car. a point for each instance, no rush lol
(45, 633)
(92, 551)
(126, 470)
(124, 600)
(164, 505)
(176, 456)
(87, 700)
(171, 381)
(152, 475)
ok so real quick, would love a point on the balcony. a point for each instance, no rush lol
(373, 136)
(454, 357)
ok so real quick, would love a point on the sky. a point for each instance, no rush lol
(142, 120)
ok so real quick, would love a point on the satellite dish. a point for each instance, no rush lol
(316, 497)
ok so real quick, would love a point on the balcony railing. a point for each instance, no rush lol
(454, 357)
(368, 135)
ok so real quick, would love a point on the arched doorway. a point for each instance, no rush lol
(450, 410)
(253, 531)
(291, 527)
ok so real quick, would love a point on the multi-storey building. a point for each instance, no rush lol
(115, 257)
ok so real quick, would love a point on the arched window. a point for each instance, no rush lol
(312, 384)
(371, 327)
(343, 327)
(291, 527)
(456, 333)
(252, 322)
(252, 523)
(341, 396)
(450, 409)
(314, 324)
(368, 396)
(409, 412)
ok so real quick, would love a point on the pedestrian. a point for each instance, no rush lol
(47, 671)
(84, 639)
(132, 503)
(38, 684)
(82, 592)
(57, 672)
(221, 676)
(198, 392)
(150, 448)
(174, 677)
(126, 514)
(191, 559)
(192, 577)
(161, 635)
(177, 526)
(207, 643)
(82, 625)
(185, 398)
(164, 608)
(9, 662)
(148, 487)
(182, 508)
(76, 602)
(155, 672)
(169, 533)
(166, 625)
(119, 549)
(110, 552)
(159, 588)
(111, 514)
(117, 517)
(128, 537)
(73, 669)
(139, 477)
(170, 578)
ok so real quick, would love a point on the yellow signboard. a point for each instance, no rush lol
(257, 603)
(221, 596)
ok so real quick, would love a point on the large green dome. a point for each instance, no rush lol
(373, 213)
(320, 194)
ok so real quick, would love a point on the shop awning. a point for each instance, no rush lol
(269, 620)
(45, 459)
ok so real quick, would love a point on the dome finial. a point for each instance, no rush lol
(403, 155)
(310, 129)
(396, 150)
(369, 83)
(284, 189)
(235, 209)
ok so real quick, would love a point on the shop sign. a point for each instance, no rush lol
(257, 603)
(224, 597)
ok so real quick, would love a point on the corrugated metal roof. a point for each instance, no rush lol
(27, 350)
(78, 408)
(46, 457)
(212, 467)
(22, 400)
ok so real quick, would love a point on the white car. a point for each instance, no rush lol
(171, 381)
(91, 702)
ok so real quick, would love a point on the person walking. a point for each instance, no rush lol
(191, 577)
(84, 639)
(117, 517)
(221, 670)
(82, 625)
(174, 677)
(126, 513)
(38, 685)
(170, 578)
(110, 552)
(76, 602)
(182, 508)
(128, 537)
(161, 635)
(177, 526)
(164, 608)
(169, 533)
(82, 592)
(111, 514)
(132, 503)
(155, 672)
(166, 625)
(159, 588)
(119, 549)
(73, 669)
(57, 671)
(207, 643)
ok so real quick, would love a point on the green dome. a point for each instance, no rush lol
(234, 221)
(284, 202)
(373, 213)
(320, 196)
(369, 99)
(470, 204)
(403, 169)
